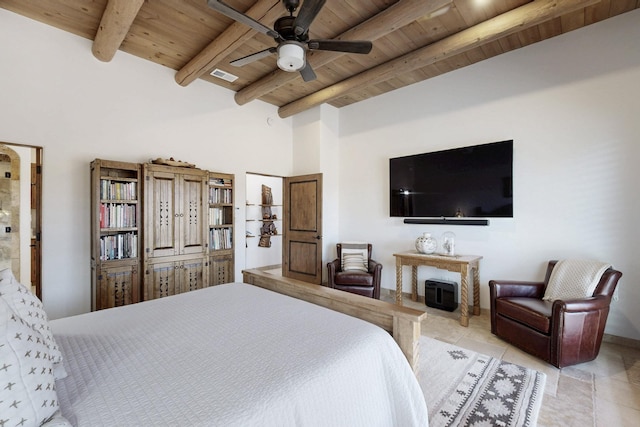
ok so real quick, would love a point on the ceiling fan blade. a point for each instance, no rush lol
(230, 12)
(308, 12)
(253, 57)
(352, 46)
(307, 73)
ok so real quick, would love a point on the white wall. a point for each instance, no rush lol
(55, 94)
(316, 150)
(572, 107)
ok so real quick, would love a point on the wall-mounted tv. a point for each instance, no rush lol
(474, 182)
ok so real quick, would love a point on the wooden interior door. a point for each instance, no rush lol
(36, 247)
(302, 228)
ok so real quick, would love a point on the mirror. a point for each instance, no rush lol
(20, 212)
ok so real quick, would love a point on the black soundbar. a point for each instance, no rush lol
(447, 221)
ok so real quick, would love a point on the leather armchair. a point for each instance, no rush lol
(562, 333)
(356, 282)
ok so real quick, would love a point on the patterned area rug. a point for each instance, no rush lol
(465, 388)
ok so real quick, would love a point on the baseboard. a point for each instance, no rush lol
(608, 338)
(627, 342)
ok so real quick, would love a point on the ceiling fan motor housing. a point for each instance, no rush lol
(285, 27)
(291, 56)
(291, 5)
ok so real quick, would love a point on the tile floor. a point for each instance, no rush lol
(603, 392)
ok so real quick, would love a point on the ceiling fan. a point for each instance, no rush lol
(292, 35)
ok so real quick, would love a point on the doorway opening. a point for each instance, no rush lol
(264, 215)
(20, 213)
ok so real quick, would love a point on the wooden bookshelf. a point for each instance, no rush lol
(221, 228)
(115, 233)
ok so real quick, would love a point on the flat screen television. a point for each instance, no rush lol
(474, 182)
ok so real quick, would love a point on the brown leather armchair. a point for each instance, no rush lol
(562, 333)
(356, 282)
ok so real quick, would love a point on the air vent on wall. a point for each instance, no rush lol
(224, 75)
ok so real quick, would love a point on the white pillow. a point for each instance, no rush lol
(573, 279)
(27, 384)
(354, 256)
(30, 309)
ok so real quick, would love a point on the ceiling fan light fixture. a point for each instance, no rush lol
(291, 56)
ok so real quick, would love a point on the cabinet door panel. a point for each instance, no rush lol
(162, 280)
(221, 269)
(161, 214)
(192, 274)
(192, 214)
(117, 286)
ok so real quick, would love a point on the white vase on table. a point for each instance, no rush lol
(426, 244)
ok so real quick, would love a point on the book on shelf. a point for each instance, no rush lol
(216, 216)
(220, 195)
(116, 215)
(118, 246)
(115, 190)
(221, 238)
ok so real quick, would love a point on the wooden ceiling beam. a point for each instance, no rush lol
(228, 42)
(511, 22)
(391, 19)
(114, 26)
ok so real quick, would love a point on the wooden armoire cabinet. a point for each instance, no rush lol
(175, 237)
(185, 226)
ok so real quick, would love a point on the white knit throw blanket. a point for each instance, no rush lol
(574, 278)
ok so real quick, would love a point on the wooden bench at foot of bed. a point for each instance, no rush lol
(401, 322)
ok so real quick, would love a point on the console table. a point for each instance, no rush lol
(458, 264)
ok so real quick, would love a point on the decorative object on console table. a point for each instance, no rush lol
(426, 244)
(448, 243)
(463, 264)
(115, 233)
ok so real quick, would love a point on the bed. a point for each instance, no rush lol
(233, 355)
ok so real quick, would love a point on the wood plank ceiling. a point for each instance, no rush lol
(413, 40)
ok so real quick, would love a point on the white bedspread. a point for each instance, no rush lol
(233, 355)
